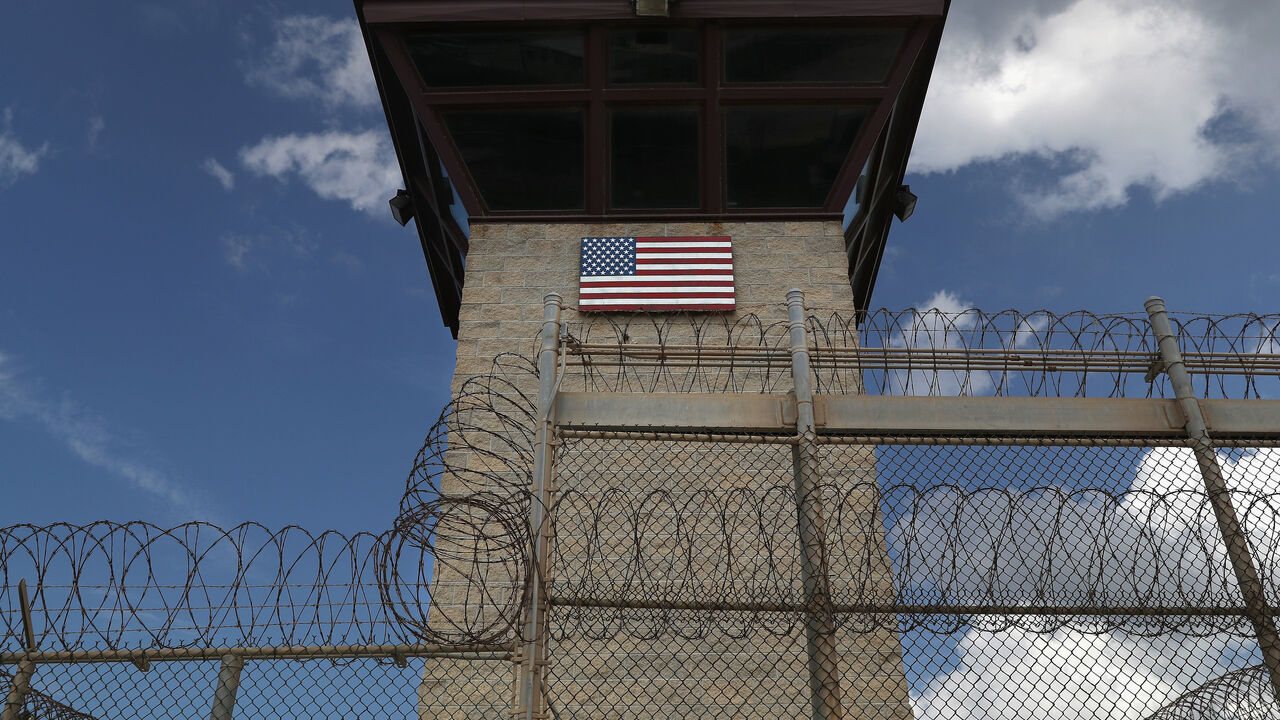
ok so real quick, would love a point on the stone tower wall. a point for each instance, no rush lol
(510, 268)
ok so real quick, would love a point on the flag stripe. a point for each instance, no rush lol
(706, 257)
(640, 246)
(701, 265)
(653, 277)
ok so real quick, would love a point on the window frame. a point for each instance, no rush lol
(599, 97)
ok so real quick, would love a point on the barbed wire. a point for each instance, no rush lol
(923, 352)
(454, 567)
(994, 559)
(630, 560)
(1244, 694)
(138, 585)
(39, 706)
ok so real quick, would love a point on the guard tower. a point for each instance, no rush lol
(782, 128)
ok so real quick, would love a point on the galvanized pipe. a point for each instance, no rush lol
(224, 696)
(24, 605)
(534, 654)
(300, 652)
(894, 608)
(820, 639)
(18, 689)
(1237, 543)
(21, 684)
(661, 436)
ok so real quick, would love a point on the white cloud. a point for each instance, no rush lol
(16, 159)
(1067, 674)
(357, 168)
(1071, 547)
(87, 435)
(220, 173)
(320, 58)
(1108, 94)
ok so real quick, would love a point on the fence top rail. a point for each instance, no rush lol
(924, 352)
(313, 652)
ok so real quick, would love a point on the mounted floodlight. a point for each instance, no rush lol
(904, 202)
(401, 207)
(652, 8)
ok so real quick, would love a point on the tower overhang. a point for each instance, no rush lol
(610, 111)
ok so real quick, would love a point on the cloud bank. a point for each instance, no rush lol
(1108, 95)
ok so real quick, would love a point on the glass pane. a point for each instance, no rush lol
(654, 56)
(808, 54)
(453, 59)
(523, 160)
(786, 157)
(655, 159)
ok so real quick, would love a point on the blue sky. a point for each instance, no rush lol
(206, 311)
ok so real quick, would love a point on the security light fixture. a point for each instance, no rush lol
(652, 8)
(904, 202)
(401, 207)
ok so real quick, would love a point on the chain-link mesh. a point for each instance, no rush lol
(691, 574)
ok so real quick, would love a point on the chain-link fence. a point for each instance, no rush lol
(785, 515)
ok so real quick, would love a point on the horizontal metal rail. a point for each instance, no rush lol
(994, 416)
(677, 437)
(941, 359)
(909, 608)
(495, 652)
(762, 415)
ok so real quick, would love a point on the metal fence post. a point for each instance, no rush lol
(534, 655)
(18, 690)
(21, 684)
(820, 638)
(224, 697)
(1233, 535)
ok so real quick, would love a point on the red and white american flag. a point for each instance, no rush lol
(656, 273)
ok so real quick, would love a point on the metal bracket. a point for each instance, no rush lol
(1157, 369)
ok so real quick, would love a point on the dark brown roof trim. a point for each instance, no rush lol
(400, 11)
